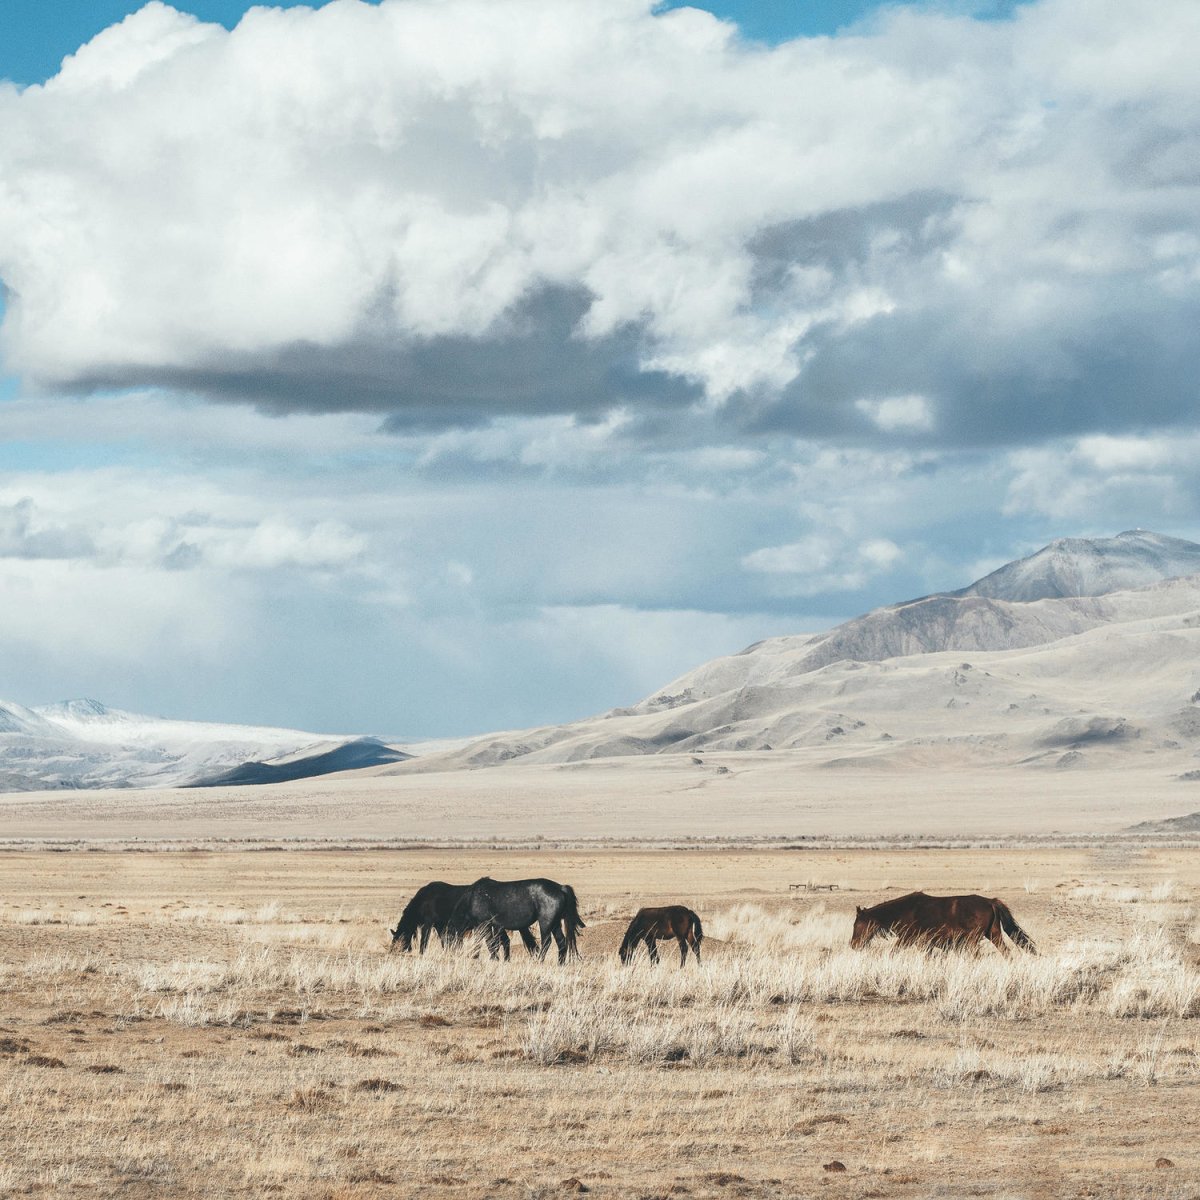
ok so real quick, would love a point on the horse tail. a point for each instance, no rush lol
(572, 921)
(627, 941)
(1009, 924)
(697, 928)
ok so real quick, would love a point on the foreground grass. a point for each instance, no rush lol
(216, 1049)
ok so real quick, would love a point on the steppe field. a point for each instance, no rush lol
(230, 1023)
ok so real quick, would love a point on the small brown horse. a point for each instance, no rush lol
(650, 924)
(945, 922)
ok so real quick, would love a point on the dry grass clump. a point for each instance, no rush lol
(585, 1029)
(270, 913)
(1108, 893)
(1042, 1072)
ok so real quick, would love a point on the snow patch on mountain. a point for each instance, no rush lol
(85, 744)
(1090, 567)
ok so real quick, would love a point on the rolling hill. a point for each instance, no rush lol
(1005, 671)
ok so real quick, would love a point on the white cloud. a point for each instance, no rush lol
(113, 519)
(824, 563)
(24, 533)
(197, 207)
(1122, 481)
(903, 413)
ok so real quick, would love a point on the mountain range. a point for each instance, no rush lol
(1085, 652)
(84, 744)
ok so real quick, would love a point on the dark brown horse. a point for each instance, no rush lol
(945, 922)
(650, 924)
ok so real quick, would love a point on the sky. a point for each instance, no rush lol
(432, 367)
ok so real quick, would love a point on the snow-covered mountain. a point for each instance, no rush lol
(84, 744)
(1014, 680)
(1090, 567)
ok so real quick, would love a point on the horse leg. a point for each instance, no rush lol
(696, 947)
(496, 940)
(996, 936)
(424, 937)
(682, 950)
(530, 941)
(560, 940)
(544, 928)
(652, 949)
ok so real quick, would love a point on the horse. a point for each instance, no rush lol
(945, 922)
(429, 911)
(494, 906)
(672, 921)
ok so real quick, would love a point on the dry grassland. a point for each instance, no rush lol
(213, 1025)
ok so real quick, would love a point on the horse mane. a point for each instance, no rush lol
(410, 918)
(888, 910)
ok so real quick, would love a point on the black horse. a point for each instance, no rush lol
(492, 907)
(429, 912)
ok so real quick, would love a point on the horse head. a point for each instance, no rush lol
(865, 928)
(403, 936)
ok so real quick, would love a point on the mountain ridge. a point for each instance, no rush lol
(833, 690)
(1089, 567)
(1005, 670)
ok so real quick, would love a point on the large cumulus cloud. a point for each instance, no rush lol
(931, 229)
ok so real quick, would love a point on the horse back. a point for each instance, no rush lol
(516, 903)
(671, 920)
(949, 917)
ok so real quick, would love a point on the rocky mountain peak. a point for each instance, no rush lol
(1067, 567)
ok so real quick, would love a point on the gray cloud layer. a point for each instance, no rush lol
(542, 207)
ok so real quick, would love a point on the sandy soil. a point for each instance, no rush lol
(728, 796)
(230, 1024)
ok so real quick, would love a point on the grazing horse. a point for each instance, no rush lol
(493, 906)
(429, 912)
(947, 922)
(672, 921)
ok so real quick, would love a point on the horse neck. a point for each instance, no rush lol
(409, 919)
(885, 914)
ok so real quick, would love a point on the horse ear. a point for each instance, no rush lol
(858, 909)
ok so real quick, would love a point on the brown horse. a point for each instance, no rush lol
(945, 922)
(650, 924)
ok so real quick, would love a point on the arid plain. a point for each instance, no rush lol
(199, 1023)
(786, 794)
